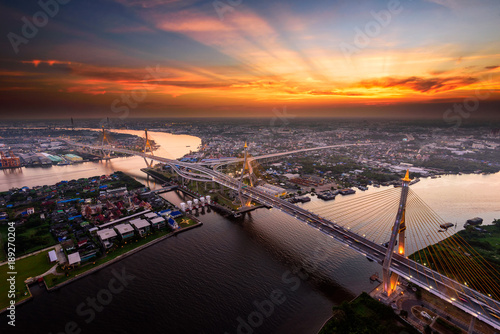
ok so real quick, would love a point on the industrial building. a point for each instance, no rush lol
(73, 157)
(9, 160)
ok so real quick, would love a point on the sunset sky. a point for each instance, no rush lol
(132, 58)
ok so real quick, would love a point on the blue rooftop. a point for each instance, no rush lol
(176, 214)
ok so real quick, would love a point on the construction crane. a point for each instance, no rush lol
(10, 161)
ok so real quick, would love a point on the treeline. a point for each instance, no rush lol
(485, 246)
(455, 165)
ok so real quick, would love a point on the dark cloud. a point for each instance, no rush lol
(423, 85)
(491, 67)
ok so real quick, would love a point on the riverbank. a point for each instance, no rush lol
(107, 262)
(118, 258)
(470, 247)
(25, 268)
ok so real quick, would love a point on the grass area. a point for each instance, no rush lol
(52, 279)
(185, 222)
(365, 315)
(160, 174)
(30, 266)
(31, 236)
(225, 202)
(125, 181)
(445, 327)
(3, 241)
(33, 239)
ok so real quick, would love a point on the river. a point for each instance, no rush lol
(210, 279)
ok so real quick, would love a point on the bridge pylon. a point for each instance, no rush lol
(247, 168)
(105, 141)
(148, 146)
(390, 279)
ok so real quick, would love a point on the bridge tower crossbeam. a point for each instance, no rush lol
(390, 279)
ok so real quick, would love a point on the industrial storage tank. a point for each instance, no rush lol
(196, 202)
(208, 199)
(190, 205)
(183, 206)
(202, 200)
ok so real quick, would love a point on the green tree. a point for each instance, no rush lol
(496, 222)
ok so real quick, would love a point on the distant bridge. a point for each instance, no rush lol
(226, 161)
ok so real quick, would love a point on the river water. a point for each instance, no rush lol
(212, 279)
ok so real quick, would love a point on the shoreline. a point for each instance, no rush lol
(107, 263)
(121, 257)
(103, 265)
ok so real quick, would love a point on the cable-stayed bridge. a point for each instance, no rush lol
(385, 227)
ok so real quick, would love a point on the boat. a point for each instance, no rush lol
(347, 191)
(446, 226)
(326, 196)
(473, 221)
(415, 181)
(300, 199)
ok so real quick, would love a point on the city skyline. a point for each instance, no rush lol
(124, 58)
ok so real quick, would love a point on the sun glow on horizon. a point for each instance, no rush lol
(188, 56)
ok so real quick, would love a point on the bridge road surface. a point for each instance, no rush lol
(441, 286)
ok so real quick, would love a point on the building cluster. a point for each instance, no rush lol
(376, 152)
(41, 147)
(86, 216)
(136, 225)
